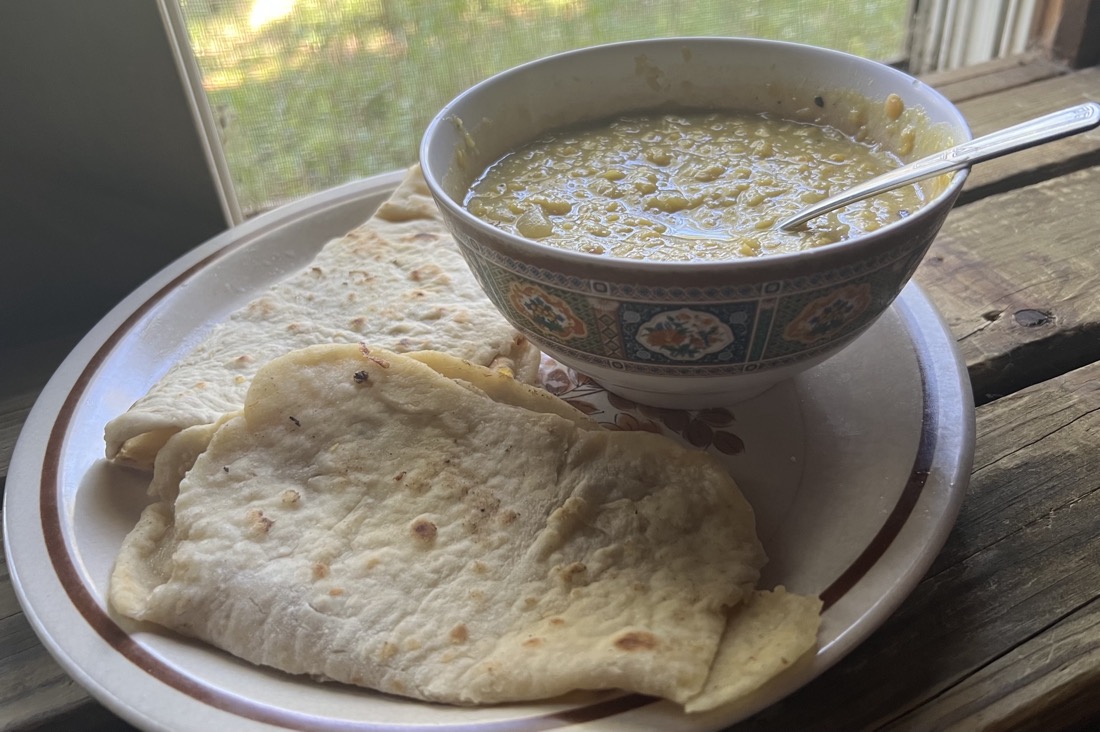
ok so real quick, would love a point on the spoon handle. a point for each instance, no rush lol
(1011, 139)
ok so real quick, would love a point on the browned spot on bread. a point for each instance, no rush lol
(290, 497)
(426, 272)
(389, 650)
(479, 566)
(401, 475)
(557, 621)
(530, 602)
(534, 642)
(358, 323)
(243, 360)
(320, 571)
(508, 517)
(424, 530)
(258, 523)
(336, 591)
(636, 640)
(459, 634)
(570, 571)
(482, 506)
(366, 353)
(262, 308)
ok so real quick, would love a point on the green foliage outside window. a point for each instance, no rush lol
(313, 93)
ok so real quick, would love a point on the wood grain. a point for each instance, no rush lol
(969, 82)
(24, 370)
(33, 688)
(1015, 276)
(1044, 684)
(1022, 564)
(995, 111)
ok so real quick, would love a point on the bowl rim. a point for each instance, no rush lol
(803, 257)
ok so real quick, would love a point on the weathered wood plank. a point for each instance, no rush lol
(13, 413)
(991, 112)
(33, 688)
(1048, 683)
(1015, 277)
(9, 604)
(24, 370)
(997, 75)
(1021, 564)
(1059, 413)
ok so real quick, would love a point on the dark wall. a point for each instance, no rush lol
(103, 180)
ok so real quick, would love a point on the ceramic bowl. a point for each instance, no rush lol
(689, 334)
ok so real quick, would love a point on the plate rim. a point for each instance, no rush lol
(938, 363)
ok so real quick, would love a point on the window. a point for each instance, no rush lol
(307, 94)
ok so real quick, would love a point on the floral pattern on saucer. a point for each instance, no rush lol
(551, 315)
(706, 429)
(829, 314)
(684, 335)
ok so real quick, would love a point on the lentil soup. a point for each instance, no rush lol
(687, 186)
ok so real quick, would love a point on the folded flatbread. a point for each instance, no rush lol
(398, 281)
(431, 528)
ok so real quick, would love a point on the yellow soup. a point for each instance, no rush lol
(686, 186)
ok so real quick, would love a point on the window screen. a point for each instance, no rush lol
(308, 94)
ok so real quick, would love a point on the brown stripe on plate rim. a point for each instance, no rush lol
(158, 668)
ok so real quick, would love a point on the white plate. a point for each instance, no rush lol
(856, 470)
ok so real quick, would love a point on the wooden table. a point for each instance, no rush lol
(1004, 631)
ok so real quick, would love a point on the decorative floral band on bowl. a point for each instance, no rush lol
(678, 334)
(691, 331)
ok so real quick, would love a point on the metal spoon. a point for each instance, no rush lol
(1043, 129)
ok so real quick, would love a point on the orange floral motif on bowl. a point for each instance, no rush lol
(825, 316)
(547, 313)
(684, 335)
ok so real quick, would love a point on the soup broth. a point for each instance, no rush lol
(687, 186)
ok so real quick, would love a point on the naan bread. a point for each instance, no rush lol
(764, 637)
(423, 526)
(398, 281)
